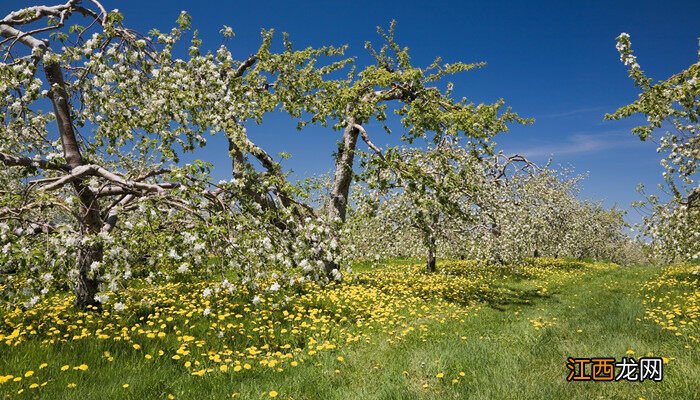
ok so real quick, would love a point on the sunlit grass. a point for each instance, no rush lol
(394, 332)
(673, 300)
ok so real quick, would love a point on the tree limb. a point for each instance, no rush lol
(14, 161)
(368, 141)
(82, 171)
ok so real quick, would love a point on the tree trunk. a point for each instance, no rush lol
(430, 264)
(88, 284)
(431, 244)
(431, 241)
(495, 234)
(343, 173)
(91, 219)
(341, 183)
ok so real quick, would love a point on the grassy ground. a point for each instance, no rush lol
(512, 344)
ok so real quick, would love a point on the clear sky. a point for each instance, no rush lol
(553, 61)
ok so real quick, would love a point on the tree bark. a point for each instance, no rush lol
(91, 220)
(237, 160)
(88, 283)
(430, 264)
(341, 182)
(343, 173)
(431, 241)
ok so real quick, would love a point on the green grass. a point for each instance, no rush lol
(367, 265)
(497, 347)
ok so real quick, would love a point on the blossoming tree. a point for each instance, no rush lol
(445, 191)
(673, 107)
(492, 208)
(421, 99)
(98, 176)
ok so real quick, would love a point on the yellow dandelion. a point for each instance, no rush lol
(273, 393)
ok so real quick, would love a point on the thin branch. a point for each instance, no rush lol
(367, 140)
(79, 172)
(245, 65)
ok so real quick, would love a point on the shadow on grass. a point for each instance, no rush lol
(503, 296)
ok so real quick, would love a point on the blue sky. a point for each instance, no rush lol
(553, 61)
